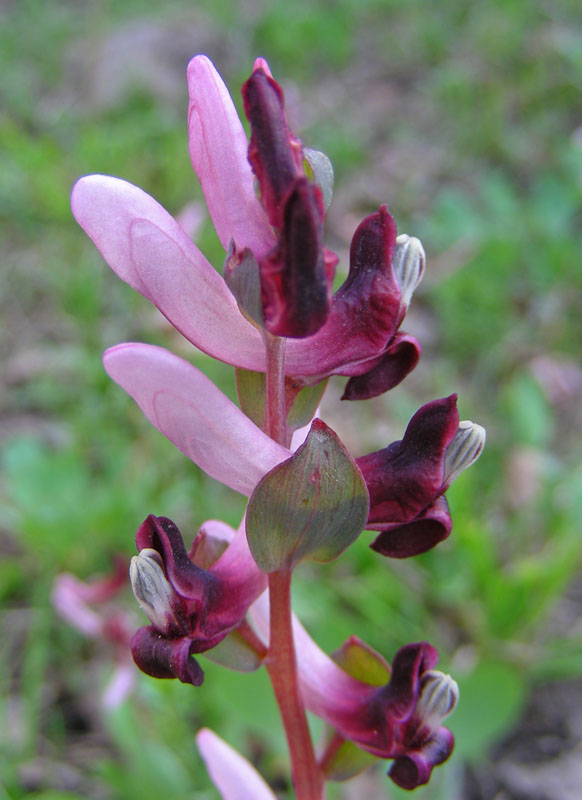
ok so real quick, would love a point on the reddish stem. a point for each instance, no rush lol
(282, 668)
(281, 661)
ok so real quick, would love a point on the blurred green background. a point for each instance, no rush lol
(466, 119)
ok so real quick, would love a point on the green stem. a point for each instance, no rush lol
(282, 668)
(275, 410)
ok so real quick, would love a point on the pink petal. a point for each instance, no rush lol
(69, 599)
(218, 149)
(327, 690)
(147, 248)
(232, 774)
(192, 412)
(120, 685)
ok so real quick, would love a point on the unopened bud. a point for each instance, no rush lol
(319, 169)
(464, 450)
(439, 694)
(408, 265)
(241, 275)
(152, 589)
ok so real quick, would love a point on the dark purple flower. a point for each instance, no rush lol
(398, 720)
(191, 609)
(407, 479)
(366, 311)
(414, 703)
(275, 155)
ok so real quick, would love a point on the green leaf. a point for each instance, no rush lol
(300, 401)
(362, 662)
(235, 653)
(313, 505)
(320, 170)
(347, 762)
(241, 275)
(250, 388)
(304, 405)
(491, 699)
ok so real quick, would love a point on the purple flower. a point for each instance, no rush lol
(148, 249)
(407, 479)
(399, 720)
(191, 609)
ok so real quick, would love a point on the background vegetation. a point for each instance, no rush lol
(465, 119)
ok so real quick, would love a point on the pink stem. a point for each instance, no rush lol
(281, 661)
(282, 668)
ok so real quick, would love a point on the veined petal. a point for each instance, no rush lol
(146, 247)
(232, 774)
(218, 149)
(192, 412)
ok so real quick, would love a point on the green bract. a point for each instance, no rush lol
(313, 505)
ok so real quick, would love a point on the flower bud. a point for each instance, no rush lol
(464, 449)
(319, 169)
(408, 265)
(438, 697)
(152, 589)
(241, 275)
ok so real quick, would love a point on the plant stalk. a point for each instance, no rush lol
(282, 668)
(275, 410)
(281, 662)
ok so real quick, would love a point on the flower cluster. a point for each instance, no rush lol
(273, 312)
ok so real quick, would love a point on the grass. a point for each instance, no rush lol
(493, 187)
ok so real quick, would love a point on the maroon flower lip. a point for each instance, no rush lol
(407, 479)
(191, 609)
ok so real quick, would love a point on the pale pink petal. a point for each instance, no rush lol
(300, 435)
(69, 600)
(218, 149)
(237, 569)
(232, 774)
(147, 248)
(327, 690)
(120, 684)
(192, 412)
(260, 63)
(190, 219)
(219, 529)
